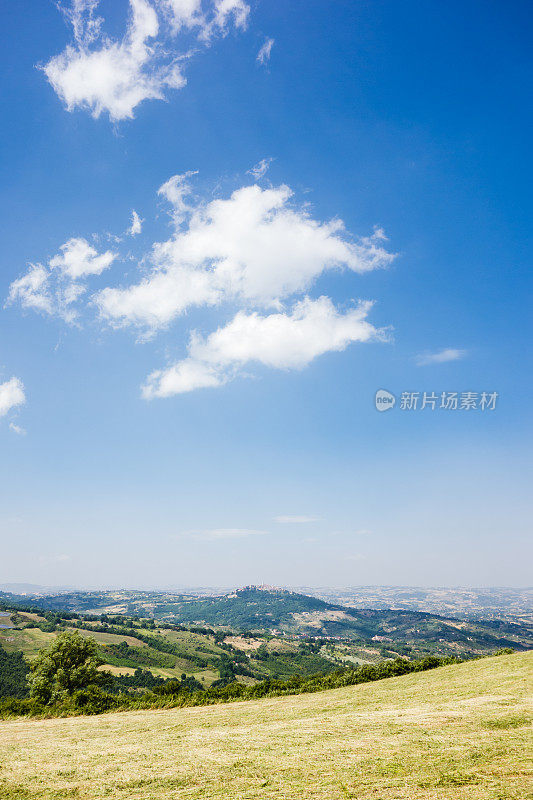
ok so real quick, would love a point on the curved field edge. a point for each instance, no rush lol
(461, 731)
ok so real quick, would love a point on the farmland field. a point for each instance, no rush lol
(29, 641)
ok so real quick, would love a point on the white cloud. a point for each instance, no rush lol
(439, 357)
(31, 290)
(53, 289)
(183, 13)
(136, 224)
(101, 74)
(78, 259)
(225, 13)
(260, 169)
(295, 518)
(263, 55)
(81, 15)
(159, 299)
(225, 533)
(11, 395)
(281, 341)
(17, 429)
(175, 190)
(116, 76)
(256, 250)
(255, 247)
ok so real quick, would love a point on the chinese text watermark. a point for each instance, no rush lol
(447, 401)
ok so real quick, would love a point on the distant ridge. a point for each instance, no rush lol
(34, 589)
(287, 613)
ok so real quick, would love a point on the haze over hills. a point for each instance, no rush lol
(501, 602)
(33, 589)
(290, 614)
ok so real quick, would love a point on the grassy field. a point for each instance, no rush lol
(109, 638)
(455, 732)
(28, 641)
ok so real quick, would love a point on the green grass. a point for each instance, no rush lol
(29, 641)
(453, 733)
(208, 675)
(189, 642)
(109, 638)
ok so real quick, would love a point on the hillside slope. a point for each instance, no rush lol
(455, 732)
(257, 608)
(128, 646)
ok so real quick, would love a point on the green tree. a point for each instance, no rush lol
(69, 665)
(13, 674)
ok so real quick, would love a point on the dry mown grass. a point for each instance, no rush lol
(455, 732)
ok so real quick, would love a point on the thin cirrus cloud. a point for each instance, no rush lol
(113, 76)
(440, 357)
(225, 533)
(50, 560)
(260, 169)
(55, 288)
(256, 249)
(136, 224)
(288, 519)
(11, 395)
(263, 56)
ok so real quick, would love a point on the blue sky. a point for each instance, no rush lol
(135, 455)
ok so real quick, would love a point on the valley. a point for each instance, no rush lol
(245, 636)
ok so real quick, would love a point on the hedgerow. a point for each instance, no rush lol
(178, 694)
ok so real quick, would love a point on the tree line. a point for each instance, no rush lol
(65, 679)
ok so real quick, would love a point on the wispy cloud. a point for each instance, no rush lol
(440, 357)
(260, 169)
(55, 288)
(136, 224)
(17, 429)
(225, 533)
(60, 558)
(289, 519)
(263, 55)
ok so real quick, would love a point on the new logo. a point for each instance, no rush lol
(384, 400)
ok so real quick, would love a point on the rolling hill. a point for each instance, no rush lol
(277, 611)
(128, 647)
(453, 733)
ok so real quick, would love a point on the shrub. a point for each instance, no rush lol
(92, 700)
